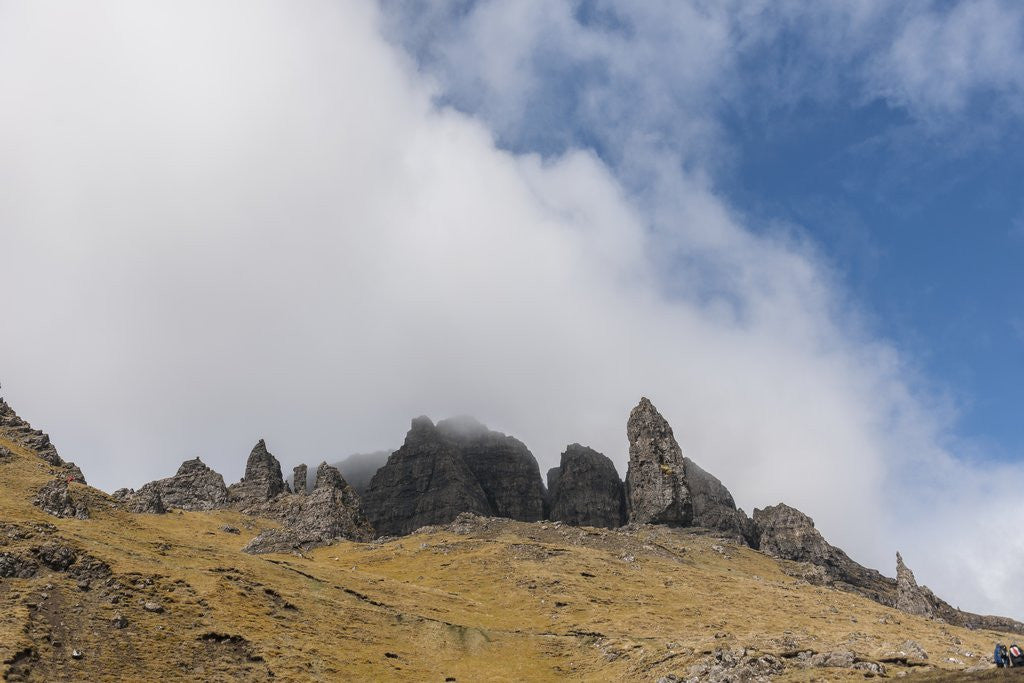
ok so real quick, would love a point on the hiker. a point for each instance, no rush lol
(1016, 655)
(1001, 656)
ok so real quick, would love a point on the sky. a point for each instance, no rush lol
(796, 227)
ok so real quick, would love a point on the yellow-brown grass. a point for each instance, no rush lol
(503, 601)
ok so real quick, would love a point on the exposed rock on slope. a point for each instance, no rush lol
(713, 506)
(262, 480)
(36, 440)
(909, 596)
(329, 513)
(54, 499)
(503, 465)
(586, 490)
(785, 532)
(426, 481)
(656, 490)
(194, 487)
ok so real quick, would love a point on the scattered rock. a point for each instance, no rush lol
(76, 654)
(54, 499)
(228, 529)
(16, 567)
(5, 454)
(154, 607)
(585, 490)
(731, 666)
(119, 621)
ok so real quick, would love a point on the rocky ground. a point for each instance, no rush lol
(135, 596)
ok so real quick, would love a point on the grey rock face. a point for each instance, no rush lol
(34, 439)
(329, 477)
(713, 506)
(785, 532)
(55, 499)
(656, 490)
(329, 513)
(194, 487)
(586, 490)
(299, 480)
(426, 481)
(262, 480)
(147, 500)
(911, 598)
(503, 465)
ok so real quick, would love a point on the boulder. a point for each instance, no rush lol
(262, 480)
(504, 467)
(194, 487)
(424, 482)
(586, 490)
(147, 501)
(656, 490)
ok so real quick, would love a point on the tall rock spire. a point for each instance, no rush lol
(656, 490)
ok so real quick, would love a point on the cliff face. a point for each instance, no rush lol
(503, 465)
(457, 466)
(585, 490)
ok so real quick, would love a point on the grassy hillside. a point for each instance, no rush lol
(481, 599)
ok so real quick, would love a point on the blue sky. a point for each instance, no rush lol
(912, 192)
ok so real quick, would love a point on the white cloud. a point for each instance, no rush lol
(237, 220)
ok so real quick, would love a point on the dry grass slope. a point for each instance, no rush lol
(490, 600)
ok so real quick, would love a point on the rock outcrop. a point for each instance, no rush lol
(503, 465)
(911, 598)
(330, 512)
(585, 490)
(424, 482)
(713, 505)
(55, 499)
(663, 487)
(328, 476)
(37, 441)
(262, 480)
(786, 533)
(299, 474)
(146, 501)
(194, 487)
(656, 490)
